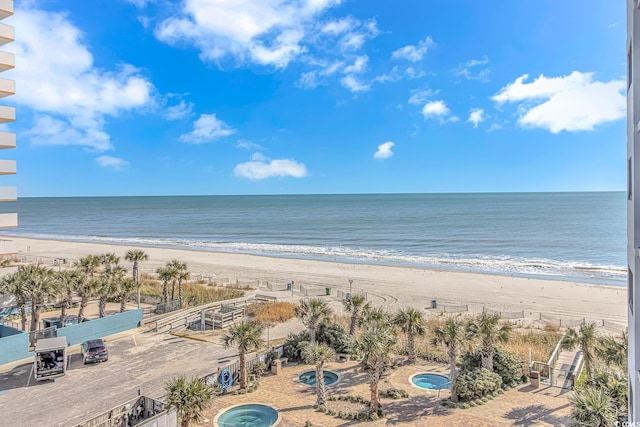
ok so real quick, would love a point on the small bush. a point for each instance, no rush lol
(259, 369)
(505, 363)
(476, 384)
(472, 404)
(465, 406)
(394, 393)
(272, 312)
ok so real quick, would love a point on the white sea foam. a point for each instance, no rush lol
(475, 263)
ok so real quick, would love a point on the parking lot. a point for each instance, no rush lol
(136, 360)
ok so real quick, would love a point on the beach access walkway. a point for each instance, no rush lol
(567, 368)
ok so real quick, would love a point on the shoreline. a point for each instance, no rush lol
(390, 286)
(104, 240)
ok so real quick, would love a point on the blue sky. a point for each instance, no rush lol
(155, 97)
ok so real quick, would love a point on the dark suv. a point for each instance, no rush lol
(94, 351)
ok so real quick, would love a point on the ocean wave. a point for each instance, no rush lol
(469, 262)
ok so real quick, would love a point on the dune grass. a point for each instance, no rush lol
(194, 294)
(272, 312)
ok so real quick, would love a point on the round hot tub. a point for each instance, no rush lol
(248, 415)
(431, 381)
(309, 377)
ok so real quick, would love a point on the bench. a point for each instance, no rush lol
(342, 357)
(266, 298)
(284, 360)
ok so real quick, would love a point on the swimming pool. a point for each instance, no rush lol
(429, 381)
(309, 377)
(248, 415)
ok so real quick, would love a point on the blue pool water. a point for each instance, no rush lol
(309, 378)
(431, 381)
(250, 415)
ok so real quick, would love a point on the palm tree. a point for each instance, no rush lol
(109, 260)
(313, 312)
(180, 273)
(85, 287)
(372, 316)
(614, 351)
(592, 407)
(136, 256)
(125, 287)
(12, 285)
(109, 282)
(452, 335)
(88, 265)
(165, 275)
(105, 288)
(487, 328)
(247, 336)
(354, 305)
(67, 282)
(190, 397)
(376, 342)
(411, 322)
(586, 338)
(318, 354)
(39, 284)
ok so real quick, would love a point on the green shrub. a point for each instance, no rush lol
(472, 404)
(334, 336)
(259, 368)
(505, 363)
(476, 384)
(293, 345)
(394, 393)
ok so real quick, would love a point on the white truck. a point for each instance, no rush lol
(51, 358)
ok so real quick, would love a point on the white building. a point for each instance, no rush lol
(633, 202)
(7, 115)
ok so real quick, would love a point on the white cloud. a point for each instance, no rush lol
(248, 145)
(115, 163)
(392, 76)
(474, 69)
(412, 73)
(207, 128)
(358, 66)
(354, 85)
(575, 102)
(339, 26)
(308, 80)
(178, 111)
(413, 53)
(384, 150)
(140, 3)
(261, 167)
(67, 92)
(438, 110)
(267, 32)
(420, 96)
(476, 116)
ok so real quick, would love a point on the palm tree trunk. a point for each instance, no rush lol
(135, 271)
(322, 390)
(453, 373)
(102, 306)
(165, 291)
(243, 371)
(123, 303)
(84, 301)
(312, 333)
(63, 312)
(173, 289)
(413, 353)
(487, 355)
(352, 325)
(23, 315)
(35, 316)
(374, 378)
(180, 291)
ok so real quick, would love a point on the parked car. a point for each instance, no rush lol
(94, 351)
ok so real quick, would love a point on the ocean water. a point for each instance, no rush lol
(577, 236)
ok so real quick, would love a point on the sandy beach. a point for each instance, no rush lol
(385, 285)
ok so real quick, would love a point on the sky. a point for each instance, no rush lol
(157, 97)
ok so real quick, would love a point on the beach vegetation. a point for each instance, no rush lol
(11, 284)
(394, 393)
(271, 311)
(376, 342)
(476, 384)
(125, 287)
(89, 266)
(313, 312)
(246, 336)
(489, 331)
(332, 335)
(505, 363)
(613, 351)
(355, 305)
(451, 333)
(65, 284)
(318, 354)
(164, 274)
(190, 397)
(39, 284)
(136, 256)
(585, 338)
(541, 343)
(411, 322)
(592, 407)
(179, 273)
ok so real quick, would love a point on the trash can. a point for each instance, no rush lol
(276, 367)
(434, 303)
(288, 286)
(534, 376)
(328, 291)
(348, 295)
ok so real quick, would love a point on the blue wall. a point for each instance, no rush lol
(14, 345)
(99, 328)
